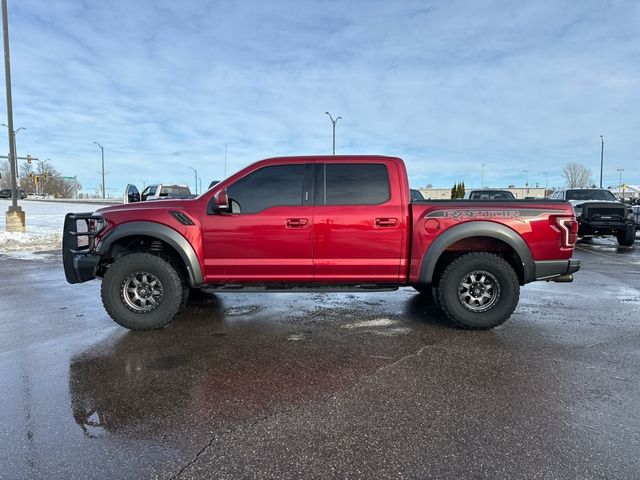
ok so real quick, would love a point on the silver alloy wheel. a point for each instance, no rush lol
(479, 291)
(141, 292)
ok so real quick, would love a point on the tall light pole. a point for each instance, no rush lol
(225, 159)
(334, 130)
(482, 176)
(620, 170)
(196, 177)
(102, 171)
(601, 157)
(546, 181)
(15, 147)
(15, 221)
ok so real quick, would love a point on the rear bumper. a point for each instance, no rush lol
(548, 269)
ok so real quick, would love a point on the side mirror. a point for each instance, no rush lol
(220, 202)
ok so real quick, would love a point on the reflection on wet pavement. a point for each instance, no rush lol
(318, 385)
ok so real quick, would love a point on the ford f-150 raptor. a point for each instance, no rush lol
(327, 223)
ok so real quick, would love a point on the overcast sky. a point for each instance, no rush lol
(446, 85)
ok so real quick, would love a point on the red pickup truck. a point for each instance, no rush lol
(322, 223)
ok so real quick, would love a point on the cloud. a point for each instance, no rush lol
(445, 85)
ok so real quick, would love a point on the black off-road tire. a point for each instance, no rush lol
(186, 290)
(114, 291)
(497, 310)
(627, 237)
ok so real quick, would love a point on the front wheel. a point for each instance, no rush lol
(141, 291)
(478, 291)
(626, 237)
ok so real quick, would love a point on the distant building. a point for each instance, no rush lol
(627, 191)
(445, 193)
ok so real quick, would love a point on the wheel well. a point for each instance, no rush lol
(144, 244)
(479, 244)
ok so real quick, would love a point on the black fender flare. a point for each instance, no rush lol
(161, 232)
(477, 229)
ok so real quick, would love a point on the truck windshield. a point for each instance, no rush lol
(590, 194)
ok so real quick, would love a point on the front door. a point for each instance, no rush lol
(266, 237)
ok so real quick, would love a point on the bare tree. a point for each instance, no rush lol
(51, 183)
(577, 175)
(5, 172)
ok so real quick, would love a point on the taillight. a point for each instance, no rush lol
(569, 228)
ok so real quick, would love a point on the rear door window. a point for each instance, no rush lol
(352, 184)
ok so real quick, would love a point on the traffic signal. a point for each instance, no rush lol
(45, 177)
(30, 176)
(29, 159)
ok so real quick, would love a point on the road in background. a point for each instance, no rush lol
(322, 385)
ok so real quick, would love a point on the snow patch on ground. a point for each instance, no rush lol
(33, 256)
(22, 242)
(44, 222)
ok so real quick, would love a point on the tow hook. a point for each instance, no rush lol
(566, 278)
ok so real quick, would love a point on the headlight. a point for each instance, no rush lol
(630, 214)
(578, 211)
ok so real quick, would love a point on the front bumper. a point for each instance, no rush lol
(79, 261)
(604, 227)
(549, 269)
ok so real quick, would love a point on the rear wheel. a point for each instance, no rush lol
(627, 237)
(141, 291)
(478, 291)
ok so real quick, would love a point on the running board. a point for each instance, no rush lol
(301, 288)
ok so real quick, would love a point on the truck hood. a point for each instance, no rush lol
(149, 205)
(578, 203)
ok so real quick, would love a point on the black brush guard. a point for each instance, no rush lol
(78, 240)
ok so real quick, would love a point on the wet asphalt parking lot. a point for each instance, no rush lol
(323, 385)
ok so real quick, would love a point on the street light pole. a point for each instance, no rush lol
(601, 157)
(15, 221)
(196, 177)
(546, 184)
(620, 170)
(15, 148)
(102, 172)
(225, 160)
(333, 122)
(482, 177)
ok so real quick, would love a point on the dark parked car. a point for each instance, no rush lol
(489, 194)
(6, 193)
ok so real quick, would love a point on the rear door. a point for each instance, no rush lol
(358, 222)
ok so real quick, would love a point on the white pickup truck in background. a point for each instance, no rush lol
(156, 191)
